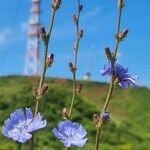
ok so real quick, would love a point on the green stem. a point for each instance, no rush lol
(74, 93)
(66, 148)
(42, 79)
(97, 138)
(111, 86)
(118, 30)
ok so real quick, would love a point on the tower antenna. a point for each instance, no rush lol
(32, 52)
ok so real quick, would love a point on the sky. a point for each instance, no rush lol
(98, 20)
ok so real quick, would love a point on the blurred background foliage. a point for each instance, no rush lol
(128, 128)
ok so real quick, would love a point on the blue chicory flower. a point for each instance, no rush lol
(70, 133)
(121, 73)
(21, 124)
(105, 116)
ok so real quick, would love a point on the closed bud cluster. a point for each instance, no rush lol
(56, 4)
(42, 90)
(124, 32)
(96, 119)
(120, 3)
(42, 32)
(72, 67)
(122, 35)
(80, 34)
(108, 54)
(35, 91)
(65, 113)
(103, 118)
(80, 8)
(75, 19)
(79, 89)
(50, 60)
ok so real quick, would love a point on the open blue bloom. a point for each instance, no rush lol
(70, 133)
(121, 74)
(105, 116)
(21, 124)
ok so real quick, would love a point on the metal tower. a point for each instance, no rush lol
(32, 52)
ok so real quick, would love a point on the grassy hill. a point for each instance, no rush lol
(130, 109)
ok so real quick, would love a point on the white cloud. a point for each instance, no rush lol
(92, 13)
(24, 26)
(9, 35)
(5, 35)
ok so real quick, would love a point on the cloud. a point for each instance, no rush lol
(9, 35)
(92, 13)
(5, 35)
(24, 26)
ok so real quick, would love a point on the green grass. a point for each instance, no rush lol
(130, 109)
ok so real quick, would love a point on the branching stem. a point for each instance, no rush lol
(42, 78)
(111, 86)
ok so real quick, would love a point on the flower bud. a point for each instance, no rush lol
(104, 117)
(80, 8)
(56, 4)
(35, 91)
(43, 89)
(42, 32)
(120, 3)
(80, 34)
(75, 19)
(108, 53)
(65, 113)
(96, 119)
(50, 60)
(72, 67)
(124, 32)
(79, 88)
(122, 35)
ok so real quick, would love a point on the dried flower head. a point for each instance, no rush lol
(65, 113)
(43, 89)
(96, 119)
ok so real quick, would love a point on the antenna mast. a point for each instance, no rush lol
(32, 52)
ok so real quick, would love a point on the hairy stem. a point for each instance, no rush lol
(75, 62)
(97, 138)
(42, 79)
(111, 86)
(74, 93)
(118, 30)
